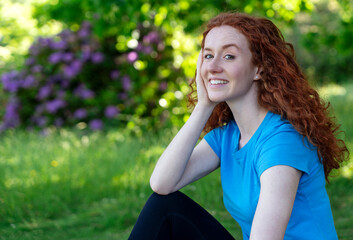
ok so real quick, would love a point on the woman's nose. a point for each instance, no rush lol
(214, 66)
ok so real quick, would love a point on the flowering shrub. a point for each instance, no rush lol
(72, 77)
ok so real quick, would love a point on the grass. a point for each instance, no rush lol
(74, 185)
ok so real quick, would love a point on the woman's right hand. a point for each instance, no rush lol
(202, 95)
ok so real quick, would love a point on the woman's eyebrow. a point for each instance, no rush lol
(230, 45)
(225, 46)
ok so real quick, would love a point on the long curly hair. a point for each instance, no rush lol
(282, 89)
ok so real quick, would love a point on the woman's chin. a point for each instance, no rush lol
(216, 99)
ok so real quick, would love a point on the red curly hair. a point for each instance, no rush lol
(282, 89)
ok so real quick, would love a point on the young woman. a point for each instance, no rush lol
(270, 135)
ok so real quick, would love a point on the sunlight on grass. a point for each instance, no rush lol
(347, 170)
(331, 90)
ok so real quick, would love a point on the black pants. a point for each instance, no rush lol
(176, 216)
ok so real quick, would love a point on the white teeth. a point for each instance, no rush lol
(214, 82)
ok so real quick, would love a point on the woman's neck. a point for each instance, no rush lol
(248, 115)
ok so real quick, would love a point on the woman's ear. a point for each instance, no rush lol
(258, 72)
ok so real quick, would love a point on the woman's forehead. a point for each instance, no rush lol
(225, 35)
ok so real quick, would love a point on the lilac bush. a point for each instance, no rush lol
(74, 77)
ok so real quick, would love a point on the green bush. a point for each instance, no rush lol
(72, 77)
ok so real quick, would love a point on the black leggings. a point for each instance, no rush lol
(176, 216)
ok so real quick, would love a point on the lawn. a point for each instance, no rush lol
(80, 185)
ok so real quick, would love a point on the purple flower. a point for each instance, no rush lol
(44, 42)
(67, 57)
(44, 92)
(29, 81)
(73, 69)
(61, 45)
(11, 118)
(96, 124)
(83, 92)
(147, 49)
(97, 57)
(37, 68)
(80, 113)
(11, 81)
(41, 121)
(85, 30)
(54, 105)
(132, 57)
(111, 111)
(86, 54)
(114, 74)
(83, 33)
(65, 34)
(55, 78)
(151, 37)
(126, 81)
(34, 50)
(30, 61)
(55, 57)
(139, 47)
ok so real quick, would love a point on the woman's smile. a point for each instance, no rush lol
(217, 82)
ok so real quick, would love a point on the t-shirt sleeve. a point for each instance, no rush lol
(286, 148)
(213, 138)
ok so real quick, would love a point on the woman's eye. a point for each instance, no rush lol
(208, 56)
(229, 57)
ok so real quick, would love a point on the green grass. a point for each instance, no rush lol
(71, 185)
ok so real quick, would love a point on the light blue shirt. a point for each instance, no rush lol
(275, 142)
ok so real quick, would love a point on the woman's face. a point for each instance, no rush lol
(227, 68)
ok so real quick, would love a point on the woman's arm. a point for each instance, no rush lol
(279, 186)
(180, 163)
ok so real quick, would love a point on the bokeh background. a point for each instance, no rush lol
(92, 91)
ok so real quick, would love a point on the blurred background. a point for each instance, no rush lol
(92, 91)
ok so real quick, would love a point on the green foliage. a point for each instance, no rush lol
(321, 32)
(325, 36)
(73, 78)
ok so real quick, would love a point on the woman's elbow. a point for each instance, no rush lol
(159, 187)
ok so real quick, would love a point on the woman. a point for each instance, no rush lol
(270, 134)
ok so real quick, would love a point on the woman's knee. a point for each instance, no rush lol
(165, 203)
(165, 199)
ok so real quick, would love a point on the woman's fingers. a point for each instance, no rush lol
(200, 84)
(199, 81)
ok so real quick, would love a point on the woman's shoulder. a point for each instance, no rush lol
(226, 131)
(278, 125)
(280, 132)
(230, 126)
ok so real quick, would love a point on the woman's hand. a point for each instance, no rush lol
(202, 94)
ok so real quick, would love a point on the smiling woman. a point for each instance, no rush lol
(270, 135)
(227, 68)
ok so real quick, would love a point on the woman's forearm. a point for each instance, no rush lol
(171, 165)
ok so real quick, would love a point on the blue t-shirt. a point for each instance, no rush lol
(275, 142)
